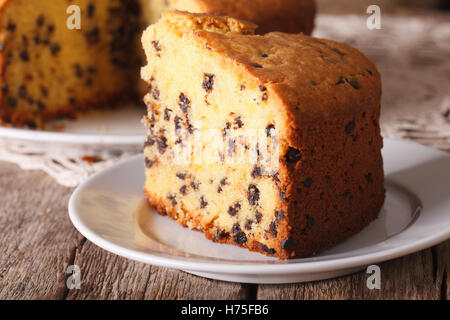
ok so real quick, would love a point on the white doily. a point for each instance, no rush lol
(69, 167)
(412, 54)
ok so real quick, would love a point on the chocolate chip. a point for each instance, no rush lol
(340, 80)
(240, 238)
(264, 96)
(282, 195)
(55, 48)
(220, 234)
(12, 102)
(256, 65)
(256, 172)
(78, 70)
(269, 130)
(156, 45)
(253, 195)
(369, 72)
(183, 190)
(239, 122)
(11, 27)
(368, 177)
(181, 175)
(264, 55)
(350, 127)
(195, 185)
(242, 87)
(162, 144)
(309, 221)
(273, 229)
(279, 215)
(267, 249)
(24, 55)
(232, 210)
(167, 114)
(40, 21)
(156, 93)
(4, 87)
(203, 202)
(184, 103)
(353, 82)
(236, 228)
(223, 182)
(93, 36)
(307, 182)
(173, 198)
(248, 224)
(44, 92)
(90, 10)
(22, 91)
(178, 122)
(149, 142)
(293, 155)
(208, 82)
(286, 244)
(40, 104)
(337, 51)
(149, 163)
(258, 216)
(219, 189)
(262, 88)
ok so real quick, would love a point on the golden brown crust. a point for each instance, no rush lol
(303, 72)
(291, 16)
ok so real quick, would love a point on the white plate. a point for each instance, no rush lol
(120, 126)
(110, 211)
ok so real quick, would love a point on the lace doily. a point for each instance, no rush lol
(412, 54)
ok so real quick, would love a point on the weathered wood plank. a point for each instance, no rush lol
(107, 276)
(36, 236)
(417, 276)
(38, 243)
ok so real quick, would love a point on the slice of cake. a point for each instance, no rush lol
(49, 70)
(271, 142)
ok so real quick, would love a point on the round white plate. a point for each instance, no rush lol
(115, 127)
(110, 210)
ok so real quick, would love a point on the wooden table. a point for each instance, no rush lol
(38, 243)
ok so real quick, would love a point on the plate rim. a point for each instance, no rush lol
(235, 267)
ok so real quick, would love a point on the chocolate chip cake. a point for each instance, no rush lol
(49, 71)
(271, 143)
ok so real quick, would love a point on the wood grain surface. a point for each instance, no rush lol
(38, 243)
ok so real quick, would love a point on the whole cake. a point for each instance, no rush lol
(270, 142)
(49, 71)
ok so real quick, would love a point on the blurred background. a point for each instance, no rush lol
(411, 51)
(387, 6)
